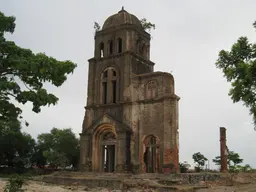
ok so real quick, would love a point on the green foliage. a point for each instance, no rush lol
(16, 148)
(184, 167)
(147, 26)
(239, 67)
(60, 147)
(199, 159)
(233, 159)
(240, 168)
(23, 73)
(14, 184)
(38, 158)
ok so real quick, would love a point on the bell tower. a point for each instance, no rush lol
(131, 117)
(121, 50)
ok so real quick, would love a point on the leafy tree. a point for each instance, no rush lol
(239, 67)
(23, 73)
(38, 158)
(199, 159)
(246, 168)
(233, 159)
(16, 148)
(147, 25)
(60, 147)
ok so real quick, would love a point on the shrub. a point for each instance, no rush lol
(14, 184)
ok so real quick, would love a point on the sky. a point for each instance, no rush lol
(186, 42)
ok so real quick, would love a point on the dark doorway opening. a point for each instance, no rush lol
(150, 156)
(109, 158)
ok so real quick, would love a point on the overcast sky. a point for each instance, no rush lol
(188, 36)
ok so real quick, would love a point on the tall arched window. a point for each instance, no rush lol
(109, 85)
(101, 48)
(119, 45)
(110, 47)
(151, 89)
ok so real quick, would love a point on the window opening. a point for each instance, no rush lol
(101, 50)
(110, 44)
(120, 45)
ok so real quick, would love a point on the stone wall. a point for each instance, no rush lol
(195, 178)
(91, 183)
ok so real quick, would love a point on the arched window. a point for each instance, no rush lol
(151, 89)
(109, 86)
(119, 45)
(101, 49)
(110, 47)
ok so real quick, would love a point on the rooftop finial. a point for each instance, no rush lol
(122, 10)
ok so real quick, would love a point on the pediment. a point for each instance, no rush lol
(108, 119)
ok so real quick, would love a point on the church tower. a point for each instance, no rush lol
(125, 96)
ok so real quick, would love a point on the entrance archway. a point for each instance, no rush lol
(151, 154)
(108, 145)
(104, 149)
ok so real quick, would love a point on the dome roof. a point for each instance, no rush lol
(122, 17)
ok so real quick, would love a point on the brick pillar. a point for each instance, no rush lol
(223, 150)
(84, 153)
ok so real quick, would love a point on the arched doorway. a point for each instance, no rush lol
(104, 149)
(151, 154)
(108, 147)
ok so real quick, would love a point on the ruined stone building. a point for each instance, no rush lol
(131, 117)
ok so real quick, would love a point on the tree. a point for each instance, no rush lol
(23, 73)
(60, 147)
(16, 148)
(199, 159)
(38, 158)
(233, 159)
(147, 25)
(239, 67)
(184, 167)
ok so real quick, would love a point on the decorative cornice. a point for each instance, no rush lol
(148, 62)
(121, 27)
(145, 101)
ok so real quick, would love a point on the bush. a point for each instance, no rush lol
(198, 169)
(184, 167)
(14, 184)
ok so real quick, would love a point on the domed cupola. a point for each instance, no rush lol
(121, 18)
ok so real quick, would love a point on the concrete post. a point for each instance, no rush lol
(223, 150)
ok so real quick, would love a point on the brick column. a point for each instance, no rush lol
(84, 152)
(223, 150)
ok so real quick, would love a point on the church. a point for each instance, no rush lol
(131, 115)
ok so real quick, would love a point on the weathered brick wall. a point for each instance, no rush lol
(154, 116)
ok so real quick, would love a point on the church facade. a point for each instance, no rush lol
(131, 115)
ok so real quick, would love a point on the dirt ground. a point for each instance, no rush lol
(33, 186)
(241, 188)
(243, 183)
